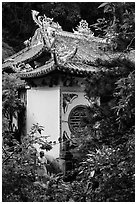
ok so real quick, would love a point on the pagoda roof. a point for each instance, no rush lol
(73, 52)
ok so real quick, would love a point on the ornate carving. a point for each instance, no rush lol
(46, 30)
(83, 29)
(34, 16)
(27, 43)
(22, 67)
(75, 119)
(67, 99)
(86, 97)
(46, 34)
(37, 38)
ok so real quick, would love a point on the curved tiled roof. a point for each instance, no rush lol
(23, 56)
(69, 49)
(48, 67)
(72, 51)
(65, 43)
(79, 68)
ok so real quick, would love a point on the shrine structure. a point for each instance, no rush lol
(54, 63)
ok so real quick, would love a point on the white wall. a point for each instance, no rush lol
(43, 107)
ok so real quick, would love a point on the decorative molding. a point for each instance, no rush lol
(86, 97)
(93, 100)
(74, 119)
(67, 99)
(65, 136)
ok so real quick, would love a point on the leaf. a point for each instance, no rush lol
(107, 9)
(80, 172)
(92, 173)
(104, 4)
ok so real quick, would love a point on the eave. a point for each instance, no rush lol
(24, 56)
(79, 69)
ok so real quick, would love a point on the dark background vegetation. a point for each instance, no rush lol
(21, 25)
(104, 156)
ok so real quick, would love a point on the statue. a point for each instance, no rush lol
(43, 178)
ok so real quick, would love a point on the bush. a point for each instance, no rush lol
(19, 167)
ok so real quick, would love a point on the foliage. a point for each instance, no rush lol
(11, 104)
(106, 151)
(119, 25)
(20, 173)
(19, 166)
(36, 137)
(108, 174)
(111, 153)
(125, 95)
(6, 51)
(10, 100)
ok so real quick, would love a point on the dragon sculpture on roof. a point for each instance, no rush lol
(46, 31)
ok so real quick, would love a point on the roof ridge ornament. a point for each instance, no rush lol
(44, 21)
(36, 20)
(46, 31)
(46, 34)
(83, 29)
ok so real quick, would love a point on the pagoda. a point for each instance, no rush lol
(53, 64)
